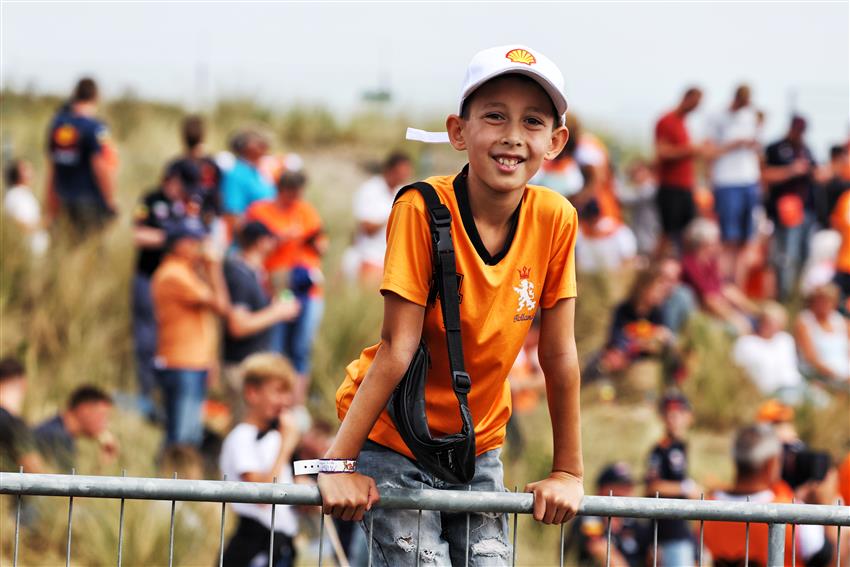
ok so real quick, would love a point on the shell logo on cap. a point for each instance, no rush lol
(521, 56)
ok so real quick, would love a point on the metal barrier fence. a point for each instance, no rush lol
(776, 516)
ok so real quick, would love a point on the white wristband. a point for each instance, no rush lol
(316, 466)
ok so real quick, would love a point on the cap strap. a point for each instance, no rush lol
(417, 135)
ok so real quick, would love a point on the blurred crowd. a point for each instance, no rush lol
(228, 295)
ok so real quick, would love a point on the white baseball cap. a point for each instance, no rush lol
(515, 59)
(496, 61)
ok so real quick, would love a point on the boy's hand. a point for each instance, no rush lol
(347, 495)
(557, 498)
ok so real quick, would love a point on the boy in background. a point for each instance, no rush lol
(667, 475)
(87, 416)
(259, 449)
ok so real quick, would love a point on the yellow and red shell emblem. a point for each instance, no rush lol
(521, 56)
(65, 135)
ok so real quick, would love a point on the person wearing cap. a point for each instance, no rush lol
(789, 174)
(253, 314)
(514, 251)
(667, 475)
(188, 291)
(630, 537)
(169, 203)
(756, 452)
(676, 156)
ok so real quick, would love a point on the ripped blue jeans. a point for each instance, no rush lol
(442, 536)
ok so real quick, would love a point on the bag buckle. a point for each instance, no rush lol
(461, 381)
(441, 217)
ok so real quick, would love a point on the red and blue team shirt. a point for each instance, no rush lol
(72, 141)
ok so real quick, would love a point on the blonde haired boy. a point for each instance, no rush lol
(259, 449)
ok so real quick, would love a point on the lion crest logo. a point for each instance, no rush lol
(525, 291)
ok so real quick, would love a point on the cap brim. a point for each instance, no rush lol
(554, 93)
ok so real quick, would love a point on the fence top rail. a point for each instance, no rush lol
(134, 488)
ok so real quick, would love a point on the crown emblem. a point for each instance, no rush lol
(524, 273)
(521, 56)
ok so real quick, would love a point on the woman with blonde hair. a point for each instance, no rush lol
(823, 336)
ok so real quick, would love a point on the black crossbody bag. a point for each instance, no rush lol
(450, 458)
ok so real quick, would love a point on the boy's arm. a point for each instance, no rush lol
(557, 498)
(345, 495)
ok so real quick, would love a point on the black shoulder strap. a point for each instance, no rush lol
(445, 282)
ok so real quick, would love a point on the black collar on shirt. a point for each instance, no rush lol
(462, 196)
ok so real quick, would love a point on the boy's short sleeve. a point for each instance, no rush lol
(561, 275)
(242, 454)
(408, 260)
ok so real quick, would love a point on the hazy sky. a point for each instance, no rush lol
(623, 62)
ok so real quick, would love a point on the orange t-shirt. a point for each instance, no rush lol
(592, 151)
(841, 222)
(498, 302)
(844, 480)
(185, 323)
(296, 225)
(727, 540)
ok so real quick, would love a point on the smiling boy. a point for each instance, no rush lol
(514, 250)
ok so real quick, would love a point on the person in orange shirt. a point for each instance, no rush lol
(757, 451)
(188, 289)
(295, 264)
(841, 222)
(514, 251)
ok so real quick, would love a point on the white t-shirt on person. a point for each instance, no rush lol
(373, 203)
(243, 453)
(741, 166)
(22, 206)
(770, 363)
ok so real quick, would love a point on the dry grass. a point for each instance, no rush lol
(67, 316)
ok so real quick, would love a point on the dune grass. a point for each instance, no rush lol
(67, 316)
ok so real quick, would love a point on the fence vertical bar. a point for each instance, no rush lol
(747, 543)
(466, 556)
(221, 533)
(121, 524)
(418, 534)
(608, 539)
(271, 535)
(794, 541)
(775, 545)
(655, 539)
(701, 536)
(70, 516)
(171, 531)
(838, 539)
(17, 524)
(321, 536)
(371, 537)
(561, 554)
(513, 548)
(838, 550)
